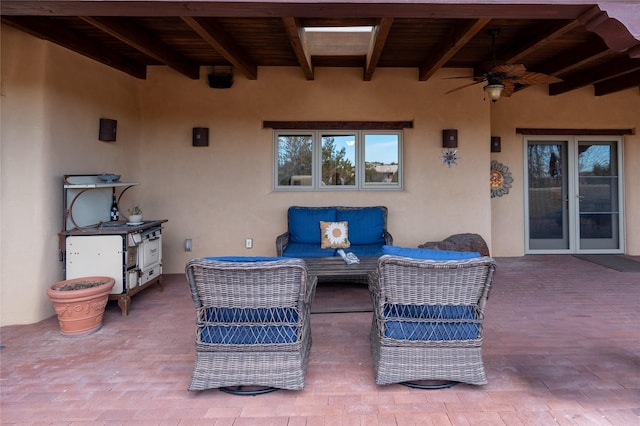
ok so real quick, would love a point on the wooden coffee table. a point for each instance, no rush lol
(335, 269)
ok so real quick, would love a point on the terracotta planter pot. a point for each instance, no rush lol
(80, 312)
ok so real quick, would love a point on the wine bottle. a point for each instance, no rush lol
(114, 213)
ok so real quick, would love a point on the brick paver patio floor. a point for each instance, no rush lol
(562, 346)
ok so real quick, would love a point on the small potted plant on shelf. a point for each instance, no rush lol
(135, 214)
(80, 303)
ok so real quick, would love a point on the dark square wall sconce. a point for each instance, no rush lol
(496, 144)
(107, 132)
(450, 138)
(450, 141)
(200, 136)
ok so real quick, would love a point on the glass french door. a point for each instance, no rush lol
(573, 194)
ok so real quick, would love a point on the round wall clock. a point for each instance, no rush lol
(500, 179)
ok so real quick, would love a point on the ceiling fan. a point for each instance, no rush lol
(502, 78)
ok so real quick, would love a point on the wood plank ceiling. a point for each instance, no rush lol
(578, 43)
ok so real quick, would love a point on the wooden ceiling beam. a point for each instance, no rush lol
(617, 84)
(224, 44)
(460, 37)
(566, 62)
(446, 9)
(49, 30)
(127, 32)
(378, 39)
(522, 50)
(602, 72)
(614, 33)
(297, 38)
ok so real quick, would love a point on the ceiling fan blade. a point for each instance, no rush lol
(509, 87)
(532, 78)
(509, 70)
(462, 87)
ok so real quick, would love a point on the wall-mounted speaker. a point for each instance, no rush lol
(496, 144)
(200, 136)
(450, 138)
(107, 131)
(220, 80)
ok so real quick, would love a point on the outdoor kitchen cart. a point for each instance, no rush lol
(92, 244)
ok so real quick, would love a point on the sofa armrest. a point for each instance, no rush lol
(388, 239)
(282, 241)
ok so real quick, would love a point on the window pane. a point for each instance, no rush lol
(339, 159)
(381, 152)
(548, 221)
(598, 188)
(295, 160)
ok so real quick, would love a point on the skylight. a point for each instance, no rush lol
(361, 29)
(340, 41)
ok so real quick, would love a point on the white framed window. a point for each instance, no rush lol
(336, 160)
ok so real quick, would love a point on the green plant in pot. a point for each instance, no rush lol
(80, 303)
(135, 214)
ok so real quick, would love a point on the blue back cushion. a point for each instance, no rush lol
(248, 334)
(406, 330)
(365, 225)
(248, 325)
(429, 311)
(431, 322)
(428, 254)
(304, 223)
(273, 315)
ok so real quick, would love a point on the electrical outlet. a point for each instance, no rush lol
(248, 243)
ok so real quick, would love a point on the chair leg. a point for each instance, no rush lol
(441, 385)
(248, 390)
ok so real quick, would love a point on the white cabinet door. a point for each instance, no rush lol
(96, 255)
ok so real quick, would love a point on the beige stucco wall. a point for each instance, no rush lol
(579, 109)
(52, 100)
(219, 195)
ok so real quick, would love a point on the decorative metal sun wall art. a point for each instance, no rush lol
(449, 157)
(500, 179)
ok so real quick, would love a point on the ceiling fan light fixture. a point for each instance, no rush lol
(493, 91)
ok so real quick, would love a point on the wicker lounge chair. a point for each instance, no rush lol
(252, 323)
(427, 322)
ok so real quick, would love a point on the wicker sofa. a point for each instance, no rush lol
(367, 231)
(252, 323)
(428, 318)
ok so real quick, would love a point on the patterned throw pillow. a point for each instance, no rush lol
(334, 234)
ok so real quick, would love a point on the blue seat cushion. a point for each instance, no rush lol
(304, 223)
(365, 250)
(307, 250)
(248, 325)
(366, 225)
(431, 322)
(428, 254)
